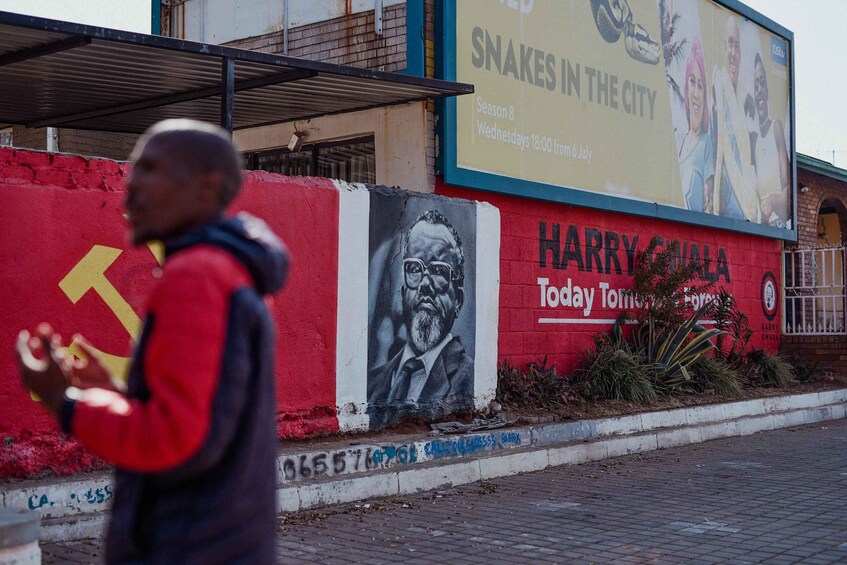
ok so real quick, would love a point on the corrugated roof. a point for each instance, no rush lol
(55, 73)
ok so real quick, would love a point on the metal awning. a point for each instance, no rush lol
(55, 73)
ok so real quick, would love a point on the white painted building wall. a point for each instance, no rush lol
(399, 140)
(221, 21)
(127, 15)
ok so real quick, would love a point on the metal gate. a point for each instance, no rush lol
(814, 294)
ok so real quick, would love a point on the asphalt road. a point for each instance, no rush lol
(774, 497)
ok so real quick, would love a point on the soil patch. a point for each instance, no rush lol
(592, 409)
(583, 410)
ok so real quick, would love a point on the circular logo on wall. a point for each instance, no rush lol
(768, 295)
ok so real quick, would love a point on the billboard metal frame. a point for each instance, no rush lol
(447, 159)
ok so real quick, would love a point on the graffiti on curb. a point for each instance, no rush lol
(461, 447)
(91, 496)
(373, 457)
(403, 454)
(61, 500)
(326, 464)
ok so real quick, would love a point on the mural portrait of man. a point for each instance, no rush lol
(427, 370)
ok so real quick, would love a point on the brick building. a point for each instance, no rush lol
(398, 143)
(814, 327)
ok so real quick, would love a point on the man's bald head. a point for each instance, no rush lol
(733, 49)
(200, 148)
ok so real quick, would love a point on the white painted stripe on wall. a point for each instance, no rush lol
(585, 321)
(351, 361)
(487, 302)
(599, 321)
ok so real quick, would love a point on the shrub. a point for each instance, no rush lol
(538, 386)
(613, 371)
(805, 370)
(663, 287)
(716, 375)
(668, 333)
(767, 369)
(735, 325)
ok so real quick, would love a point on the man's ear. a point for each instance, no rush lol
(211, 183)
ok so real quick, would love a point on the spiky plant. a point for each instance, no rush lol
(736, 326)
(536, 386)
(668, 333)
(770, 370)
(613, 371)
(711, 374)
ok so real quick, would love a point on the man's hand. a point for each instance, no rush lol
(44, 365)
(91, 372)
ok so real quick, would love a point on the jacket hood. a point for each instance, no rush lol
(250, 240)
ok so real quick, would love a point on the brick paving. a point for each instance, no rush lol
(775, 497)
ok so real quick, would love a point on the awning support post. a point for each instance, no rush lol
(227, 92)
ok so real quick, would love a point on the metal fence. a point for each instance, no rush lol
(814, 294)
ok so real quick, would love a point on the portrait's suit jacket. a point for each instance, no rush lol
(448, 387)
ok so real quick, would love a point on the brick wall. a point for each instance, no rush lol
(80, 142)
(429, 71)
(110, 145)
(29, 138)
(821, 189)
(429, 25)
(554, 298)
(348, 40)
(828, 352)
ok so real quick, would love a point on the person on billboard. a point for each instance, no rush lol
(735, 189)
(771, 155)
(696, 159)
(432, 373)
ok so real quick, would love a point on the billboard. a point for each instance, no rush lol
(678, 109)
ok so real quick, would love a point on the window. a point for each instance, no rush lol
(352, 160)
(6, 137)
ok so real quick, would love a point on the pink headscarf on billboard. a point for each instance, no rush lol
(696, 57)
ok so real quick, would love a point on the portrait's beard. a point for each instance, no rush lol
(427, 330)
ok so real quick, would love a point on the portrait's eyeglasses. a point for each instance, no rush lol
(440, 273)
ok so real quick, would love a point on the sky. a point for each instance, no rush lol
(133, 15)
(820, 72)
(820, 43)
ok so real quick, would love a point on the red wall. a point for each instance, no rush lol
(304, 212)
(58, 207)
(522, 338)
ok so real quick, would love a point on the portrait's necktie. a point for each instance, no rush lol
(404, 378)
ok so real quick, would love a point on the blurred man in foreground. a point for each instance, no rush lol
(192, 435)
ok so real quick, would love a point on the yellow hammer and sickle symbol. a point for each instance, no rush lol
(89, 274)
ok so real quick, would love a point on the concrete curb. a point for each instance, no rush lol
(19, 537)
(340, 473)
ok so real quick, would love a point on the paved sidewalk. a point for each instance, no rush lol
(776, 497)
(342, 470)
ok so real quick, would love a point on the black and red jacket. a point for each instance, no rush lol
(194, 439)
